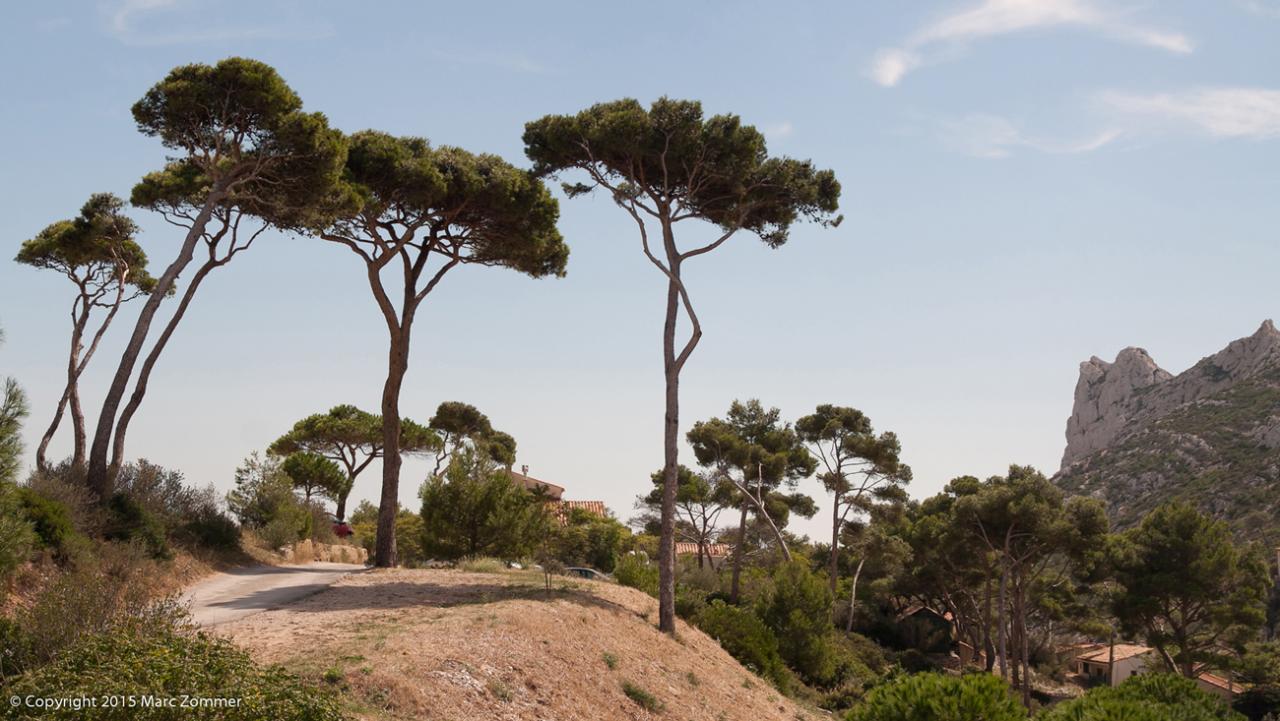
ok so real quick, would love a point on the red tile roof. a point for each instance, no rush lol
(1123, 651)
(553, 491)
(562, 509)
(715, 550)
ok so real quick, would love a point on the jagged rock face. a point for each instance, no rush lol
(1139, 435)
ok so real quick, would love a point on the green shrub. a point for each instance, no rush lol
(797, 608)
(1257, 702)
(150, 660)
(690, 602)
(643, 698)
(482, 564)
(1147, 697)
(279, 533)
(745, 637)
(17, 537)
(129, 521)
(210, 529)
(935, 697)
(50, 519)
(589, 540)
(635, 572)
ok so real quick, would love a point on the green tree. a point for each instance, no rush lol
(935, 697)
(663, 166)
(352, 438)
(243, 149)
(1187, 589)
(700, 499)
(858, 466)
(1145, 697)
(796, 606)
(263, 499)
(13, 408)
(16, 534)
(475, 508)
(423, 211)
(1024, 520)
(459, 424)
(585, 539)
(756, 452)
(97, 252)
(314, 475)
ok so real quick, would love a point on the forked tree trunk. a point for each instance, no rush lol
(80, 319)
(144, 374)
(98, 477)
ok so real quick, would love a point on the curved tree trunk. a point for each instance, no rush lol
(79, 319)
(853, 596)
(144, 374)
(98, 476)
(389, 502)
(670, 464)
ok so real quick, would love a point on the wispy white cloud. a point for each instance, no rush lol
(142, 23)
(992, 136)
(1268, 8)
(779, 131)
(992, 18)
(1218, 112)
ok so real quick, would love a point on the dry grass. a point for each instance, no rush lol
(445, 644)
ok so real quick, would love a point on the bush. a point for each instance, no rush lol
(745, 637)
(65, 484)
(482, 564)
(50, 519)
(168, 659)
(589, 540)
(1147, 697)
(278, 533)
(129, 521)
(635, 572)
(689, 602)
(935, 697)
(17, 537)
(643, 698)
(797, 608)
(210, 529)
(1257, 702)
(97, 593)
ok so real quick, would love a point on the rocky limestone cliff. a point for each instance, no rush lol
(1139, 434)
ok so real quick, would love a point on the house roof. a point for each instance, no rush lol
(562, 509)
(1123, 651)
(553, 491)
(1215, 680)
(715, 550)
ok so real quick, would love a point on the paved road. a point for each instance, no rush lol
(245, 591)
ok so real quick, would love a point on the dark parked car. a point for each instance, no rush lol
(588, 573)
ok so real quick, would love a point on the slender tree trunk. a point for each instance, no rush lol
(738, 551)
(833, 559)
(341, 510)
(144, 374)
(988, 648)
(1002, 630)
(1026, 649)
(389, 503)
(1111, 660)
(670, 461)
(98, 476)
(853, 596)
(80, 318)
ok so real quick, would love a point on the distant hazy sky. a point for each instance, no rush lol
(1026, 184)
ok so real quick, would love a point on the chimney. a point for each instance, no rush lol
(524, 470)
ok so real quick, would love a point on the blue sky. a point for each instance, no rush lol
(1026, 183)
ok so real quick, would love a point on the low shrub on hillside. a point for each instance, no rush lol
(745, 637)
(936, 697)
(209, 529)
(636, 572)
(50, 518)
(17, 537)
(1147, 697)
(165, 659)
(797, 608)
(130, 521)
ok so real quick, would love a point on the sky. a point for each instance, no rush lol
(1026, 184)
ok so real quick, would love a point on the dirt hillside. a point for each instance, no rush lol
(457, 646)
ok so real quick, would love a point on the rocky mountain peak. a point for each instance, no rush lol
(1111, 397)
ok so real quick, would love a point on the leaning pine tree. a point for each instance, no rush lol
(413, 212)
(243, 150)
(662, 166)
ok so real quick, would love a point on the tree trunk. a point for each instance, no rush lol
(341, 510)
(670, 459)
(79, 319)
(389, 503)
(988, 648)
(98, 477)
(1111, 660)
(737, 554)
(1002, 630)
(144, 374)
(853, 596)
(833, 559)
(1024, 641)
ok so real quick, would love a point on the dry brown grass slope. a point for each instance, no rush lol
(458, 646)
